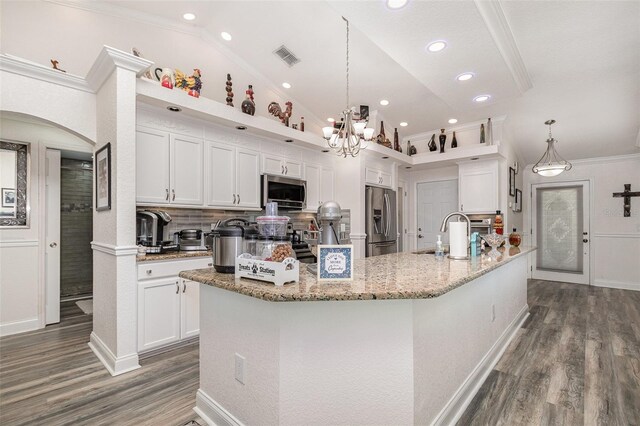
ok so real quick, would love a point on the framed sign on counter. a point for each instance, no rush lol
(335, 262)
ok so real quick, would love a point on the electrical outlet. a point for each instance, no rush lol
(239, 361)
(493, 313)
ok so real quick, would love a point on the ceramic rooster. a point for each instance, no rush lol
(275, 110)
(191, 84)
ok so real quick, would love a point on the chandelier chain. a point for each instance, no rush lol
(347, 21)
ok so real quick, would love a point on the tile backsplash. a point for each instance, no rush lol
(205, 219)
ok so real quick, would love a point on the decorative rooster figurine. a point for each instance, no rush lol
(192, 84)
(275, 110)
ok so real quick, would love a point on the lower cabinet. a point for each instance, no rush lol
(168, 306)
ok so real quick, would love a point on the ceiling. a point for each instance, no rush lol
(575, 62)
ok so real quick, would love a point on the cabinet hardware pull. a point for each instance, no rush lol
(286, 170)
(209, 264)
(177, 287)
(238, 198)
(167, 196)
(173, 198)
(282, 168)
(148, 271)
(184, 286)
(234, 198)
(461, 205)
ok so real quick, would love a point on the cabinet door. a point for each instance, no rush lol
(312, 174)
(189, 309)
(385, 179)
(272, 164)
(152, 166)
(186, 170)
(247, 178)
(478, 191)
(326, 185)
(221, 170)
(293, 168)
(372, 176)
(158, 313)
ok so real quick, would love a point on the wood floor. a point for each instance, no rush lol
(576, 361)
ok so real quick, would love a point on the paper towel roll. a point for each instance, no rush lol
(458, 239)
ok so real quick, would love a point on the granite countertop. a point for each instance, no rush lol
(391, 276)
(174, 255)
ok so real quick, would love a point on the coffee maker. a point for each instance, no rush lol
(150, 231)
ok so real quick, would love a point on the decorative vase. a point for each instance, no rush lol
(443, 140)
(382, 137)
(482, 133)
(514, 238)
(454, 141)
(413, 150)
(432, 143)
(167, 77)
(248, 105)
(498, 225)
(490, 131)
(302, 124)
(396, 140)
(229, 89)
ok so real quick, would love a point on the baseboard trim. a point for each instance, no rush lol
(454, 409)
(113, 364)
(623, 285)
(212, 412)
(15, 327)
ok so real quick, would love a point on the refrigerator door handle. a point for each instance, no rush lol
(388, 214)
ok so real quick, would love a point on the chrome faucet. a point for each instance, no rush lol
(443, 228)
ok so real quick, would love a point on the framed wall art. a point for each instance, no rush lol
(517, 205)
(102, 169)
(512, 181)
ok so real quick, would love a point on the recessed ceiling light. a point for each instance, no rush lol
(384, 102)
(452, 121)
(481, 98)
(331, 120)
(225, 36)
(396, 4)
(286, 85)
(189, 16)
(174, 108)
(465, 76)
(404, 124)
(241, 127)
(436, 46)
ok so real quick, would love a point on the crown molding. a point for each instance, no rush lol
(110, 59)
(19, 66)
(498, 26)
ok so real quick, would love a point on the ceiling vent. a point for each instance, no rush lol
(286, 55)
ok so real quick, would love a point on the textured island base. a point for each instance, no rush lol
(401, 362)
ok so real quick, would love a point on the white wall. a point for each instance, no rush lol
(75, 36)
(615, 240)
(21, 301)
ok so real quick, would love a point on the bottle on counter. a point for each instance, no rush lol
(498, 225)
(514, 238)
(439, 247)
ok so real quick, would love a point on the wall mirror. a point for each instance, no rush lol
(14, 184)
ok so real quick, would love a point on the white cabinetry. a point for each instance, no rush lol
(168, 306)
(478, 186)
(280, 165)
(319, 185)
(377, 177)
(233, 176)
(169, 168)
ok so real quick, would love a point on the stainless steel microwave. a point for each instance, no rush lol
(289, 193)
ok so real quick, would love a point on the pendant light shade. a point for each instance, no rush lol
(551, 163)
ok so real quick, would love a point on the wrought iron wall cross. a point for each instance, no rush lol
(627, 194)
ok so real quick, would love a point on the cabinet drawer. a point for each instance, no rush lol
(152, 270)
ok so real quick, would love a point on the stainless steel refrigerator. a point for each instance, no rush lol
(381, 221)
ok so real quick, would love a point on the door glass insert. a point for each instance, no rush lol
(559, 229)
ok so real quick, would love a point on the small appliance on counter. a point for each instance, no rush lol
(190, 240)
(228, 243)
(150, 231)
(329, 215)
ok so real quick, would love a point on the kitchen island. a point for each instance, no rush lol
(408, 341)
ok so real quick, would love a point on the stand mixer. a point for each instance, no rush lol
(329, 215)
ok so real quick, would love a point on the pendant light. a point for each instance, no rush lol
(551, 163)
(348, 138)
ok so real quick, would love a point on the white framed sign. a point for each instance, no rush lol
(335, 262)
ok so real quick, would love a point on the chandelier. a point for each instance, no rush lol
(348, 138)
(551, 163)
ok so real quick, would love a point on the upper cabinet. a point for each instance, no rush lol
(479, 186)
(168, 168)
(319, 185)
(233, 176)
(281, 165)
(377, 177)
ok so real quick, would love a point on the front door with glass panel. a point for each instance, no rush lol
(560, 224)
